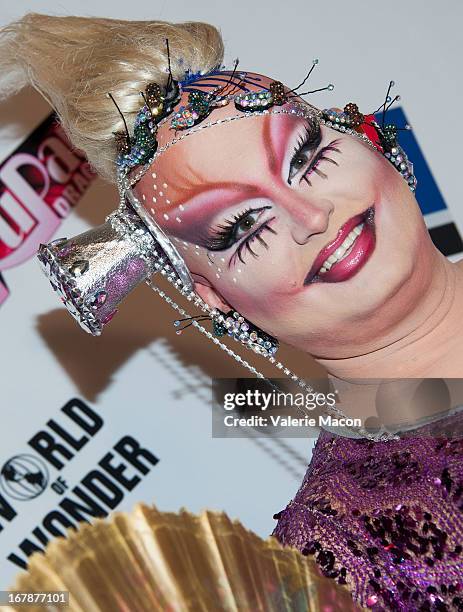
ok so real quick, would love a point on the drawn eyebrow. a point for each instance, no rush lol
(275, 144)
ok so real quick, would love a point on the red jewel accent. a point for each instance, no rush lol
(388, 547)
(370, 131)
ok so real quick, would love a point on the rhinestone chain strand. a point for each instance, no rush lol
(204, 331)
(299, 110)
(166, 271)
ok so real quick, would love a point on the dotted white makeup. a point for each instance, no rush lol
(154, 175)
(222, 259)
(218, 275)
(154, 200)
(181, 206)
(234, 279)
(178, 219)
(164, 185)
(168, 202)
(155, 187)
(239, 270)
(166, 216)
(153, 211)
(143, 197)
(219, 269)
(161, 193)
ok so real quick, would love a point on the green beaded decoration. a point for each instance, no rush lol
(145, 140)
(218, 328)
(199, 102)
(390, 134)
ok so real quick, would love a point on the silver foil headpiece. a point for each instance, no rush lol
(94, 271)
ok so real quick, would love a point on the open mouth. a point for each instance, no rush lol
(347, 253)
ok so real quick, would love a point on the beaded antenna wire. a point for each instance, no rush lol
(132, 247)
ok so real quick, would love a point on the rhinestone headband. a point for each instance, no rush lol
(160, 100)
(142, 148)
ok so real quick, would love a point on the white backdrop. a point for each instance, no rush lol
(139, 377)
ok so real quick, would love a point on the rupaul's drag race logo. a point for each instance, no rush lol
(39, 185)
(40, 472)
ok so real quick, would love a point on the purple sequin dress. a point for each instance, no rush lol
(385, 518)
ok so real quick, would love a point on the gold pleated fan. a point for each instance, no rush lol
(150, 561)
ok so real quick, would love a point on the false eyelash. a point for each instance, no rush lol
(246, 243)
(223, 234)
(313, 166)
(311, 140)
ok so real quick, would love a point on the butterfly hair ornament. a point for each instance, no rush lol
(93, 272)
(383, 135)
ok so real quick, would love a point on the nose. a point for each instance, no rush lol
(307, 217)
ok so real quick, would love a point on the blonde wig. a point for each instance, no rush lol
(74, 62)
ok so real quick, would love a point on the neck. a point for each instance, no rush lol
(428, 343)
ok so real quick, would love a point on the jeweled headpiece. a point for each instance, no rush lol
(383, 135)
(94, 271)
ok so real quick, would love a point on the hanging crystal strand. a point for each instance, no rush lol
(204, 331)
(167, 271)
(191, 296)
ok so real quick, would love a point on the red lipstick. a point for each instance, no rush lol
(356, 255)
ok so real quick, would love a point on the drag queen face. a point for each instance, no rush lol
(309, 233)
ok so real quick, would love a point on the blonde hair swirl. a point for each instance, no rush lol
(75, 61)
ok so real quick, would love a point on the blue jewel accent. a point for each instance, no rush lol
(191, 77)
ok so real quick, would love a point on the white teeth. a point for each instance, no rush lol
(349, 240)
(331, 259)
(344, 248)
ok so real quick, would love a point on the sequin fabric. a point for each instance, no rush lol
(385, 518)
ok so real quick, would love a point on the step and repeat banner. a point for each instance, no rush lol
(93, 425)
